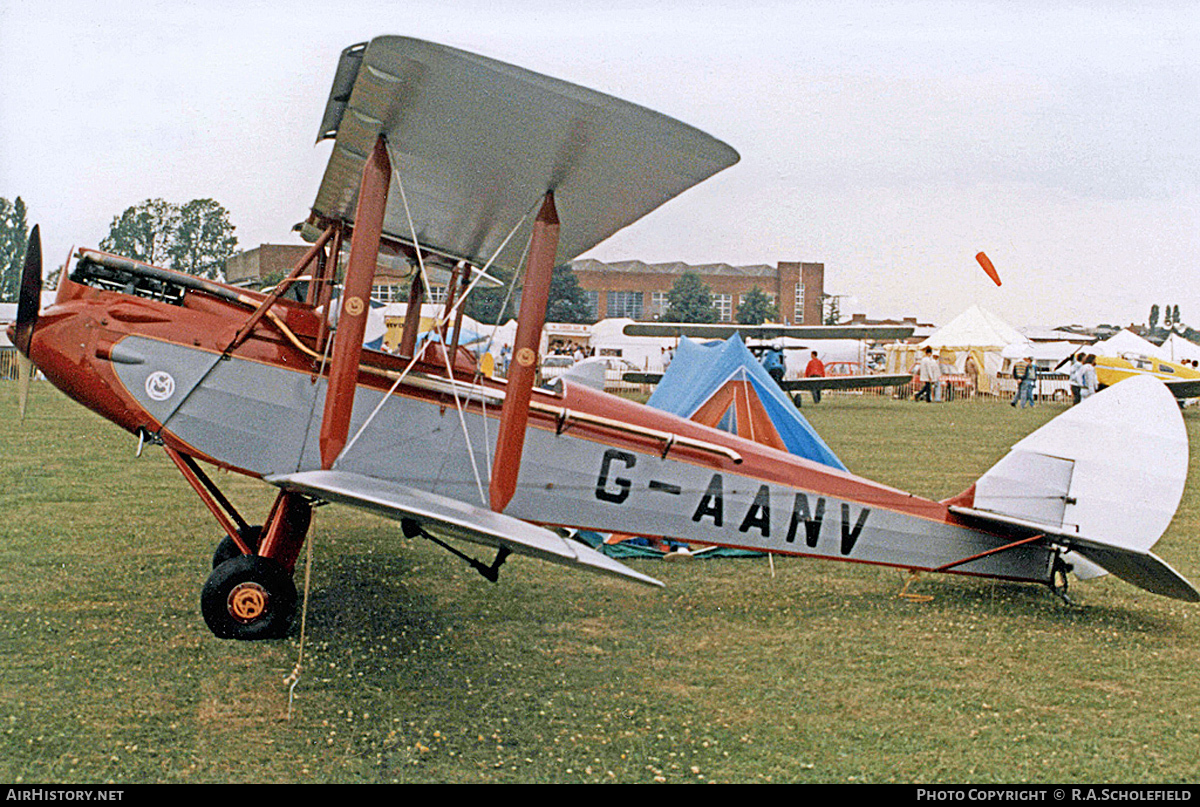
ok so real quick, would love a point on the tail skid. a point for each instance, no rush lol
(1103, 481)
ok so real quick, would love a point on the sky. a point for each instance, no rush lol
(891, 141)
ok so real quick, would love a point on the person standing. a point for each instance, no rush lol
(1026, 374)
(929, 372)
(773, 364)
(1090, 381)
(815, 369)
(1076, 378)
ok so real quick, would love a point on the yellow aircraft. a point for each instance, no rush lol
(1182, 380)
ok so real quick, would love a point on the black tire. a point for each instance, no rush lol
(249, 597)
(227, 549)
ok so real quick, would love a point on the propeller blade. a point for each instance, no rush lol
(30, 296)
(24, 373)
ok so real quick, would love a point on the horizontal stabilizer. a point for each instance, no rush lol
(452, 518)
(1141, 568)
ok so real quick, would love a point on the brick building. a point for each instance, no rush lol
(274, 261)
(251, 266)
(626, 289)
(639, 290)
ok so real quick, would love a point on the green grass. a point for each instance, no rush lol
(418, 670)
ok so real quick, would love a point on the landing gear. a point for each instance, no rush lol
(1058, 578)
(250, 593)
(227, 548)
(249, 597)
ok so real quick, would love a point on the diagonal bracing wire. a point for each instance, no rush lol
(441, 321)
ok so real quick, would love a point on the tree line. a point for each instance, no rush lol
(196, 237)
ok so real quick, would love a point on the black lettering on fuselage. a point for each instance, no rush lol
(812, 522)
(712, 504)
(759, 514)
(850, 536)
(621, 493)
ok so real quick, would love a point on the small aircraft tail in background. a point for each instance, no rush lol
(1102, 480)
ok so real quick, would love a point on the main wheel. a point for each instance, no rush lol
(227, 549)
(249, 597)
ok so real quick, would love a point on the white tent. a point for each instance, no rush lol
(974, 333)
(644, 352)
(1177, 349)
(1126, 341)
(974, 327)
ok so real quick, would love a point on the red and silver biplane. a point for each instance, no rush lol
(456, 162)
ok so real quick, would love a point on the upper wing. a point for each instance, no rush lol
(453, 518)
(845, 382)
(477, 143)
(698, 331)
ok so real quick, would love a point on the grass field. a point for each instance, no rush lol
(418, 670)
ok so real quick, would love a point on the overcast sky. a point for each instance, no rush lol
(891, 141)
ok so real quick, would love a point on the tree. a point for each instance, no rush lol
(203, 239)
(491, 306)
(1175, 315)
(567, 301)
(143, 232)
(14, 234)
(1153, 316)
(196, 238)
(689, 300)
(756, 308)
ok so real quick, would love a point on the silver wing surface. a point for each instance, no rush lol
(452, 518)
(477, 143)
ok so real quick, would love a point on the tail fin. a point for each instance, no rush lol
(1104, 479)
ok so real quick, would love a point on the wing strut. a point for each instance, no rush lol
(515, 414)
(355, 303)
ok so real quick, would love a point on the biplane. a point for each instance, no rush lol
(457, 163)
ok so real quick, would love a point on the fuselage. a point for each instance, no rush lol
(1111, 369)
(157, 362)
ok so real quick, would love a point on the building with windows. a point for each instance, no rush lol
(630, 289)
(269, 263)
(639, 290)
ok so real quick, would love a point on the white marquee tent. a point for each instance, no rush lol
(974, 333)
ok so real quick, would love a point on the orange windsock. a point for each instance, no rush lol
(986, 263)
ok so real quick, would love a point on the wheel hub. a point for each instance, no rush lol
(248, 601)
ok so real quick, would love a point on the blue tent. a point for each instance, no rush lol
(705, 376)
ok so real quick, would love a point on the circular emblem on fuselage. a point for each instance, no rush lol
(526, 357)
(160, 385)
(354, 306)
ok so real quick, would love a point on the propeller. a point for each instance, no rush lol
(28, 303)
